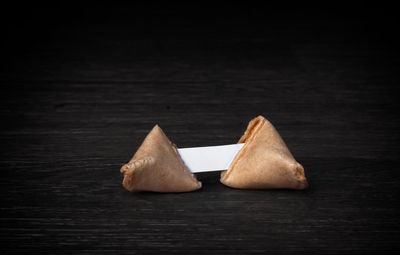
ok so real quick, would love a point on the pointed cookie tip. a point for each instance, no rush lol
(156, 127)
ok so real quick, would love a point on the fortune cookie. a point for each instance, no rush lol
(264, 162)
(157, 166)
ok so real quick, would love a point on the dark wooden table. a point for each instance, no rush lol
(80, 90)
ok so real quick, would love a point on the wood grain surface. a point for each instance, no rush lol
(81, 90)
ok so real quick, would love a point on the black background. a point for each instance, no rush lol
(81, 86)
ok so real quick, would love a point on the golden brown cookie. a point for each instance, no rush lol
(157, 166)
(264, 162)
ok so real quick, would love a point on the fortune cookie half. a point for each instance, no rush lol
(264, 162)
(157, 166)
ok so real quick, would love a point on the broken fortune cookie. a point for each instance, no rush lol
(264, 162)
(157, 166)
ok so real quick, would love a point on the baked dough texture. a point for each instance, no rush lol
(157, 166)
(264, 162)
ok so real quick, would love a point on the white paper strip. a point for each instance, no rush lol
(209, 158)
